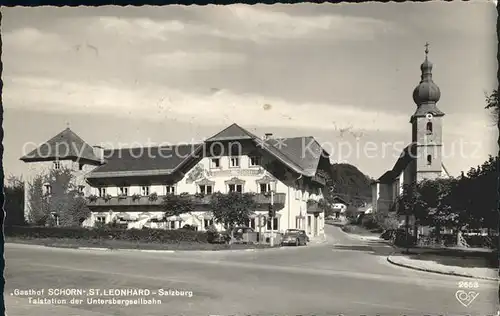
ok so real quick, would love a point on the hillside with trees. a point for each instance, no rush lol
(350, 183)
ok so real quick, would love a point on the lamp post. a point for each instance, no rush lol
(273, 187)
(272, 218)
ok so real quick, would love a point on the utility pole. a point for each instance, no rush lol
(260, 228)
(272, 218)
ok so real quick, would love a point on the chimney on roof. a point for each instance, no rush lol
(268, 136)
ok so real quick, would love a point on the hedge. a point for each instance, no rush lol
(136, 235)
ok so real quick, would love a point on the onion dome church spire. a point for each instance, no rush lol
(427, 93)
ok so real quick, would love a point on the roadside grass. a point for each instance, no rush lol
(360, 230)
(448, 256)
(122, 244)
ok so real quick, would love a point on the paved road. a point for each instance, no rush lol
(343, 276)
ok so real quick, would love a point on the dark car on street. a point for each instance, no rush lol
(295, 237)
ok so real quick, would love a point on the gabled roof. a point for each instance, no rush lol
(300, 154)
(339, 199)
(407, 155)
(303, 151)
(271, 146)
(66, 145)
(145, 161)
(232, 132)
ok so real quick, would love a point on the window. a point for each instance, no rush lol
(429, 159)
(81, 188)
(144, 190)
(234, 162)
(102, 192)
(47, 189)
(274, 222)
(265, 187)
(172, 224)
(123, 191)
(100, 219)
(57, 165)
(169, 189)
(80, 166)
(207, 223)
(251, 223)
(254, 161)
(206, 189)
(235, 188)
(429, 128)
(215, 163)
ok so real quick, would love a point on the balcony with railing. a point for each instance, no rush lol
(278, 199)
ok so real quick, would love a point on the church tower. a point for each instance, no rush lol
(427, 125)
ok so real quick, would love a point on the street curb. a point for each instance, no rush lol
(438, 272)
(163, 251)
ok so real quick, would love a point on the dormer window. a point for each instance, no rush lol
(429, 128)
(57, 165)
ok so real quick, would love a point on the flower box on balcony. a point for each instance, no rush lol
(136, 197)
(93, 198)
(153, 197)
(107, 197)
(122, 197)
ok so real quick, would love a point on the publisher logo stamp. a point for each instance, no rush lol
(466, 297)
(466, 293)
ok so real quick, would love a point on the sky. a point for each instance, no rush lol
(343, 73)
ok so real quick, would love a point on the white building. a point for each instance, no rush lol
(130, 184)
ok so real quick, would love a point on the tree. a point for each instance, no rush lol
(233, 208)
(63, 199)
(493, 104)
(175, 205)
(483, 193)
(14, 201)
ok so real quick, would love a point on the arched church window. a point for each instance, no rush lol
(429, 128)
(429, 159)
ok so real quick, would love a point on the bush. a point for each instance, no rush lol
(369, 222)
(144, 235)
(404, 240)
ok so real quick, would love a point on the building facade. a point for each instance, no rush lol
(66, 150)
(422, 159)
(129, 185)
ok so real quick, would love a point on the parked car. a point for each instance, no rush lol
(238, 233)
(295, 237)
(218, 237)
